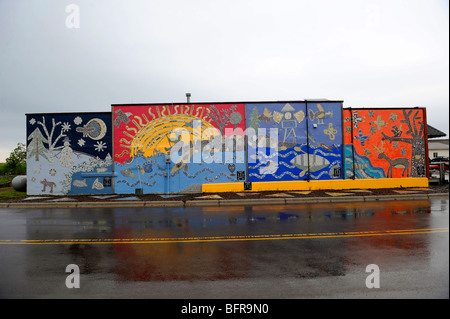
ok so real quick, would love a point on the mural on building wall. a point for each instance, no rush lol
(176, 148)
(69, 153)
(386, 143)
(307, 143)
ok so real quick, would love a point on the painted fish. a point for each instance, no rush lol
(316, 162)
(270, 168)
(97, 185)
(128, 172)
(79, 183)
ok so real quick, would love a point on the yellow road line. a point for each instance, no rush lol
(223, 238)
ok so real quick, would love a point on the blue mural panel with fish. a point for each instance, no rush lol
(276, 141)
(294, 141)
(325, 140)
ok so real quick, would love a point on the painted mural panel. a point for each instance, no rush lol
(176, 148)
(69, 153)
(325, 140)
(386, 143)
(294, 141)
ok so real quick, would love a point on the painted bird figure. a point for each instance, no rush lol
(397, 131)
(122, 117)
(85, 130)
(266, 116)
(320, 115)
(362, 138)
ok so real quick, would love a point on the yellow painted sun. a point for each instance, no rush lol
(159, 135)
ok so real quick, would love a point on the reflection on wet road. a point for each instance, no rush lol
(311, 250)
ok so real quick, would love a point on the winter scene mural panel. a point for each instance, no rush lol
(69, 153)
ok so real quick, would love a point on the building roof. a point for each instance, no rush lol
(437, 143)
(434, 132)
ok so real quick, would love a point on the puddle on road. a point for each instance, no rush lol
(304, 258)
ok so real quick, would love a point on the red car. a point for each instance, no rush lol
(435, 163)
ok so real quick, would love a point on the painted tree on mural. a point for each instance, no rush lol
(254, 121)
(416, 140)
(221, 117)
(52, 142)
(235, 119)
(36, 147)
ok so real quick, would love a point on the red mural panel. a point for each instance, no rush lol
(147, 127)
(389, 142)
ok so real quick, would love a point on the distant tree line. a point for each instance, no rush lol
(15, 164)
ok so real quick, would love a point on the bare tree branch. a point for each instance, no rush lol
(397, 139)
(45, 128)
(414, 121)
(421, 129)
(408, 121)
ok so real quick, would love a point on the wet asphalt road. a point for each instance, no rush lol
(298, 251)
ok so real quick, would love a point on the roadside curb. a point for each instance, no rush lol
(222, 202)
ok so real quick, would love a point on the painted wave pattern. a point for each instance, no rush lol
(363, 165)
(154, 175)
(294, 163)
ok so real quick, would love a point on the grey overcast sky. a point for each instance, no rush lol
(366, 53)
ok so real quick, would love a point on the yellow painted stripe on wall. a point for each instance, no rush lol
(318, 185)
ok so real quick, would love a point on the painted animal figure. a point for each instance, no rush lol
(49, 184)
(399, 162)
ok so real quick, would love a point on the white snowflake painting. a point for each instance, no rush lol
(65, 127)
(78, 120)
(100, 146)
